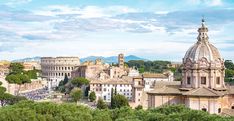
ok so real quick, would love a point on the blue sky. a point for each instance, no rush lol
(152, 29)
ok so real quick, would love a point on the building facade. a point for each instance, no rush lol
(89, 69)
(103, 88)
(202, 86)
(55, 69)
(31, 65)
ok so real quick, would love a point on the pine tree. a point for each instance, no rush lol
(65, 79)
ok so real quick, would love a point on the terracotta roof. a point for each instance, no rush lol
(175, 88)
(163, 87)
(154, 75)
(111, 81)
(159, 84)
(168, 89)
(203, 91)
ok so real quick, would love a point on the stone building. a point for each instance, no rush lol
(31, 65)
(202, 86)
(103, 88)
(55, 69)
(151, 78)
(146, 82)
(89, 69)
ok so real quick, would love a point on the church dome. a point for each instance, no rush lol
(203, 48)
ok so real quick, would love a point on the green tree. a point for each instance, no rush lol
(17, 75)
(102, 115)
(119, 101)
(229, 64)
(18, 79)
(92, 96)
(79, 81)
(16, 68)
(139, 107)
(101, 104)
(76, 94)
(229, 73)
(65, 81)
(32, 74)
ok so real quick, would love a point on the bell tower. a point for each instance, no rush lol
(121, 60)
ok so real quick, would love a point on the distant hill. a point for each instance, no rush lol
(37, 58)
(111, 59)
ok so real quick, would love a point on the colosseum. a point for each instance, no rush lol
(54, 69)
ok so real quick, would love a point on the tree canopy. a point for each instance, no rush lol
(119, 101)
(46, 111)
(8, 99)
(79, 81)
(76, 94)
(16, 68)
(92, 96)
(18, 76)
(149, 66)
(101, 104)
(229, 72)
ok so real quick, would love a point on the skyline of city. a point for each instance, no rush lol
(159, 30)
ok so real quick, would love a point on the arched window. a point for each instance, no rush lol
(232, 107)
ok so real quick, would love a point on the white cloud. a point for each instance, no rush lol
(13, 3)
(84, 12)
(207, 2)
(216, 3)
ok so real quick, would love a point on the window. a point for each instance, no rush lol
(204, 109)
(203, 80)
(232, 107)
(104, 89)
(188, 80)
(217, 80)
(104, 97)
(219, 110)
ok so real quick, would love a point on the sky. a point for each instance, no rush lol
(151, 29)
